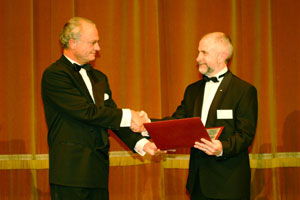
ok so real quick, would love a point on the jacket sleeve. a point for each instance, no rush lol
(128, 137)
(244, 124)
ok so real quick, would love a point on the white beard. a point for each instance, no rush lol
(205, 69)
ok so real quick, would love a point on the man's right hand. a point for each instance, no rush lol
(137, 121)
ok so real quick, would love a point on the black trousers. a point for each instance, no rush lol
(197, 194)
(59, 192)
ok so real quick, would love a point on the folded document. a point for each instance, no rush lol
(178, 133)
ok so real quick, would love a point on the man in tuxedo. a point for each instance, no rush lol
(79, 111)
(220, 169)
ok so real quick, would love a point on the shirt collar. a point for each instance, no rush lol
(223, 71)
(72, 61)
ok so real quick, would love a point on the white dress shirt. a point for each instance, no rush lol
(209, 94)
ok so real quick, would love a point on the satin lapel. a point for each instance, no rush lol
(199, 100)
(212, 114)
(81, 84)
(78, 80)
(98, 88)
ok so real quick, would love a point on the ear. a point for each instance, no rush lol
(222, 57)
(72, 43)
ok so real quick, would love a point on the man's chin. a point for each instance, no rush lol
(91, 58)
(202, 70)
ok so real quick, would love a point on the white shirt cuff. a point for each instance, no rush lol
(220, 154)
(126, 118)
(139, 146)
(145, 133)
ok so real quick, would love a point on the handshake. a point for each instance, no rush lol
(137, 121)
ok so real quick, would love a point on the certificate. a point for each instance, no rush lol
(214, 132)
(178, 133)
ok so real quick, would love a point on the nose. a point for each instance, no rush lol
(97, 47)
(198, 59)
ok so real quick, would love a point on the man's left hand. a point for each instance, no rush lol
(151, 149)
(213, 147)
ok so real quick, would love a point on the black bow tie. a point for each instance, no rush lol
(213, 79)
(77, 67)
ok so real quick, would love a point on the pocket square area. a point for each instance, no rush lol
(106, 96)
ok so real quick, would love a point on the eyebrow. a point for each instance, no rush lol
(203, 51)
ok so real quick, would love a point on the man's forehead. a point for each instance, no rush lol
(90, 33)
(203, 44)
(207, 42)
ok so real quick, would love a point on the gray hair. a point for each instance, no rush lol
(222, 43)
(225, 41)
(71, 30)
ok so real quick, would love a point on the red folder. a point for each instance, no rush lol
(177, 133)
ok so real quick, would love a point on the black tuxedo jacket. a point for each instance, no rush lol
(77, 136)
(227, 176)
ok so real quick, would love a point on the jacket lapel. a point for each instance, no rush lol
(212, 114)
(81, 85)
(79, 82)
(98, 87)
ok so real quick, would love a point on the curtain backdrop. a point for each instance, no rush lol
(148, 52)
